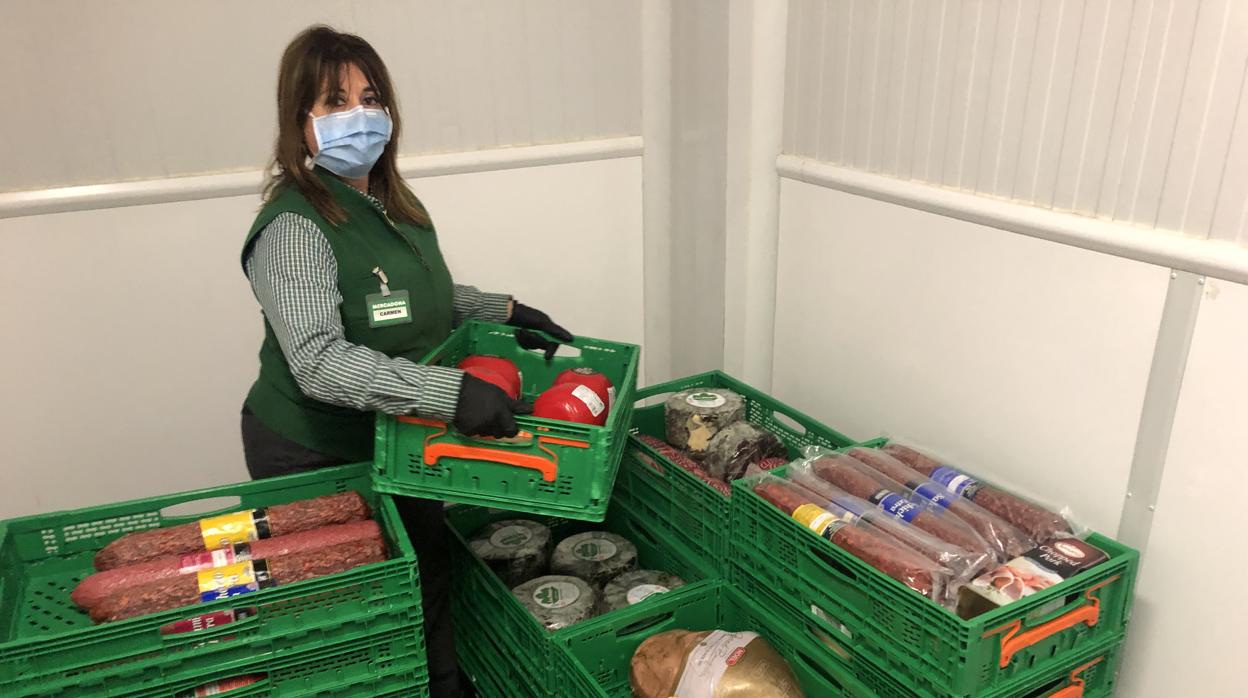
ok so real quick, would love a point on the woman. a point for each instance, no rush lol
(345, 264)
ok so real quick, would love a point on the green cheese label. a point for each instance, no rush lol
(556, 594)
(595, 549)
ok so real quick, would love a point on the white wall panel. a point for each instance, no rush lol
(153, 88)
(1122, 109)
(1023, 359)
(563, 238)
(1186, 630)
(699, 85)
(133, 334)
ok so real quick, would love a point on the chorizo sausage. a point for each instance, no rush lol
(855, 537)
(1041, 524)
(240, 527)
(223, 582)
(100, 585)
(863, 482)
(1006, 539)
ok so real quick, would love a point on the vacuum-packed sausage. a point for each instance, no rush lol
(239, 527)
(240, 578)
(1005, 538)
(1041, 524)
(100, 585)
(854, 536)
(963, 564)
(861, 481)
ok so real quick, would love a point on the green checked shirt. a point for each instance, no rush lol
(294, 275)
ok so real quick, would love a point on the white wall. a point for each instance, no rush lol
(1030, 360)
(1186, 631)
(157, 88)
(133, 334)
(699, 144)
(1118, 109)
(1023, 359)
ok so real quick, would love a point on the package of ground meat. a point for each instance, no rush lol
(855, 535)
(1007, 540)
(1041, 524)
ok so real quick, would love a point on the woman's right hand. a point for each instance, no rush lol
(485, 410)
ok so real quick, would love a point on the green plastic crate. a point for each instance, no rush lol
(568, 469)
(365, 666)
(42, 558)
(492, 668)
(478, 593)
(882, 620)
(602, 651)
(683, 506)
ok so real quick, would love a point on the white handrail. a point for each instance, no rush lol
(212, 186)
(1215, 258)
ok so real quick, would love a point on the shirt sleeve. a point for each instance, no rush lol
(294, 276)
(470, 303)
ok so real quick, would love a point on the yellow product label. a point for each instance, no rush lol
(236, 575)
(226, 530)
(816, 518)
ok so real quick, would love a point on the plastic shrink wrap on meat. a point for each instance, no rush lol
(1006, 539)
(1042, 525)
(855, 535)
(890, 497)
(963, 564)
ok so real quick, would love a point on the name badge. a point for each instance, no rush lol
(393, 309)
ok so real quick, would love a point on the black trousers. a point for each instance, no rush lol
(269, 454)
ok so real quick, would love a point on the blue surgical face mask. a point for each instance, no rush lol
(350, 142)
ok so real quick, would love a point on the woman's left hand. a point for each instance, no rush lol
(527, 318)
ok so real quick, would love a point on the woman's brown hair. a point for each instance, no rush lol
(314, 59)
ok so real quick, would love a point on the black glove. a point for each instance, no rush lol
(485, 410)
(527, 318)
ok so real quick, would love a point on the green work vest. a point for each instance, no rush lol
(411, 260)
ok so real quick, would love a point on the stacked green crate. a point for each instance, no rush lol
(488, 617)
(674, 501)
(48, 646)
(602, 651)
(877, 620)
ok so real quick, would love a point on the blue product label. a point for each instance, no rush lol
(900, 507)
(227, 592)
(956, 481)
(934, 493)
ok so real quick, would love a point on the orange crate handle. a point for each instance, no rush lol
(1075, 689)
(433, 452)
(1014, 641)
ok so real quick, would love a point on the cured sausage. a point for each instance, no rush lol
(963, 564)
(1006, 539)
(239, 527)
(1041, 524)
(682, 460)
(100, 585)
(240, 578)
(863, 482)
(855, 536)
